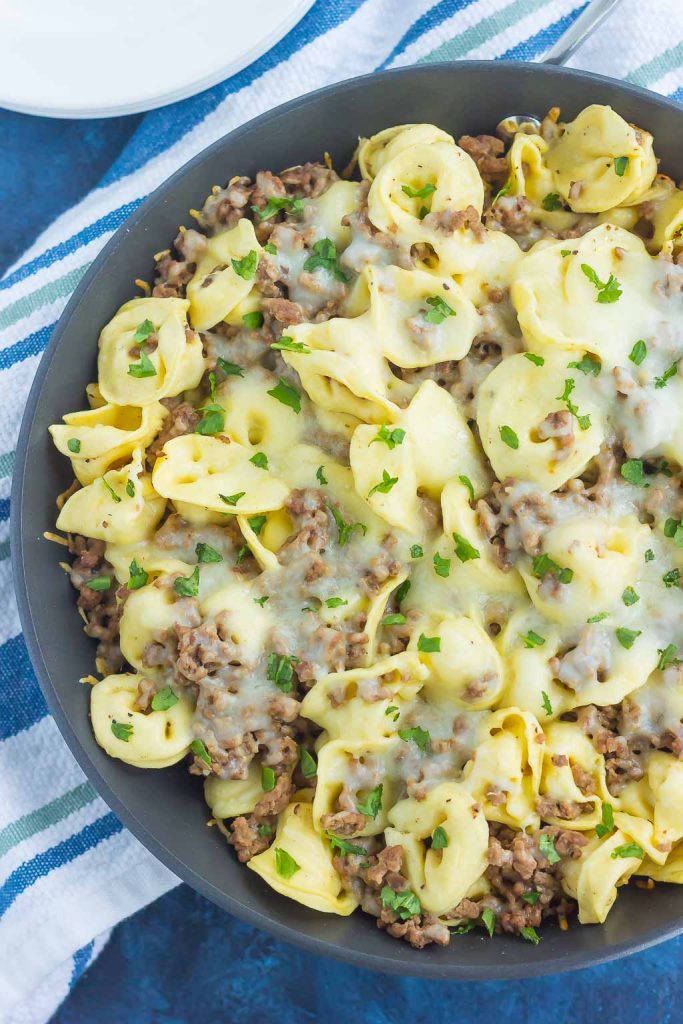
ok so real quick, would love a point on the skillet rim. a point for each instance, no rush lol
(420, 966)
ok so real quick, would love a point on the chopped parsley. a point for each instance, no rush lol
(627, 637)
(260, 460)
(205, 553)
(372, 804)
(419, 193)
(99, 583)
(547, 706)
(232, 499)
(145, 368)
(264, 830)
(384, 485)
(532, 897)
(440, 310)
(530, 934)
(286, 394)
(442, 566)
(546, 845)
(229, 369)
(638, 353)
(270, 248)
(419, 736)
(280, 670)
(253, 320)
(439, 838)
(277, 203)
(262, 600)
(533, 358)
(401, 591)
(285, 864)
(628, 850)
(464, 551)
(569, 385)
(416, 551)
(630, 597)
(287, 344)
(309, 765)
(661, 382)
(671, 578)
(667, 657)
(199, 750)
(532, 639)
(164, 699)
(504, 191)
(552, 202)
(344, 529)
(607, 823)
(268, 779)
(335, 602)
(608, 291)
(320, 476)
(246, 267)
(130, 489)
(187, 586)
(256, 523)
(429, 644)
(389, 437)
(213, 420)
(405, 903)
(597, 618)
(588, 364)
(112, 493)
(343, 846)
(488, 919)
(137, 577)
(394, 712)
(324, 256)
(673, 529)
(649, 555)
(632, 471)
(394, 619)
(542, 565)
(122, 730)
(74, 445)
(466, 482)
(508, 437)
(620, 165)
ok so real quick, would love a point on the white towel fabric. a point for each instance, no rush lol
(68, 870)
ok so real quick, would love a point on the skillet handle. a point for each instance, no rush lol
(582, 28)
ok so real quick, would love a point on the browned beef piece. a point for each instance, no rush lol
(344, 823)
(308, 180)
(182, 419)
(487, 152)
(253, 833)
(102, 608)
(174, 271)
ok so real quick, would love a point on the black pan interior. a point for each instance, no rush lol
(165, 809)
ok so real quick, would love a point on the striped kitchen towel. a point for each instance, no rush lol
(68, 869)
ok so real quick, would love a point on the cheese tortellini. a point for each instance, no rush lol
(376, 519)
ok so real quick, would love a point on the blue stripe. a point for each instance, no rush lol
(28, 873)
(81, 959)
(21, 702)
(4, 508)
(109, 222)
(678, 95)
(25, 348)
(429, 20)
(530, 48)
(162, 128)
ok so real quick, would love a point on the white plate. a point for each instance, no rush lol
(98, 58)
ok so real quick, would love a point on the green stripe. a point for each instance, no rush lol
(4, 550)
(6, 464)
(484, 30)
(28, 304)
(44, 817)
(658, 66)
